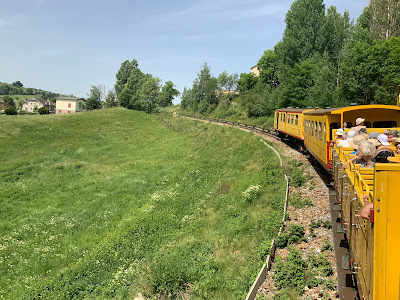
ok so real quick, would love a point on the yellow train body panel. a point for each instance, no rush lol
(386, 275)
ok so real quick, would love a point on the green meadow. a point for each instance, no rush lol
(110, 203)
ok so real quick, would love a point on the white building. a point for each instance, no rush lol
(69, 105)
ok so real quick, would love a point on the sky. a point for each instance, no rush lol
(68, 46)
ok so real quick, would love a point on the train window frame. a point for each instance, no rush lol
(292, 120)
(316, 130)
(382, 124)
(324, 133)
(320, 131)
(284, 117)
(312, 128)
(296, 120)
(333, 125)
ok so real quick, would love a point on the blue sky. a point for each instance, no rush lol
(67, 46)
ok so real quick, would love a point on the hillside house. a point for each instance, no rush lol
(69, 105)
(255, 71)
(3, 106)
(33, 104)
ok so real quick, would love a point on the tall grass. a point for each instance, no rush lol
(110, 203)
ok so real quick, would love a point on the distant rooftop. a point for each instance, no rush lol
(69, 98)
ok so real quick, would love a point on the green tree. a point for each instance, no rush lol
(9, 101)
(187, 99)
(227, 82)
(323, 91)
(10, 111)
(149, 94)
(168, 93)
(302, 35)
(385, 21)
(17, 84)
(43, 111)
(94, 99)
(111, 99)
(335, 31)
(247, 82)
(299, 80)
(204, 90)
(371, 73)
(127, 85)
(268, 67)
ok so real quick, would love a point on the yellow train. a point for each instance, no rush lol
(374, 245)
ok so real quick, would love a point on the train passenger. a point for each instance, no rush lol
(344, 125)
(357, 140)
(359, 124)
(345, 142)
(366, 209)
(365, 151)
(339, 136)
(396, 133)
(373, 135)
(383, 139)
(396, 143)
(388, 133)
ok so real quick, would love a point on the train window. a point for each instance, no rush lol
(320, 131)
(296, 121)
(385, 124)
(312, 128)
(316, 130)
(367, 124)
(283, 117)
(292, 119)
(333, 126)
(324, 133)
(349, 124)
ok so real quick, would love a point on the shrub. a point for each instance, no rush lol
(321, 263)
(297, 202)
(296, 234)
(10, 111)
(43, 111)
(252, 193)
(291, 272)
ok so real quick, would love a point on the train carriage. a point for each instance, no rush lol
(373, 244)
(320, 126)
(288, 122)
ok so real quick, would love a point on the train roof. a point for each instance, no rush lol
(293, 110)
(341, 110)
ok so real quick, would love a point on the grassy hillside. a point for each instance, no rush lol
(110, 203)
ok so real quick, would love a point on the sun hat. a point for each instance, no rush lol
(340, 131)
(394, 159)
(375, 142)
(356, 140)
(383, 139)
(373, 134)
(351, 134)
(359, 121)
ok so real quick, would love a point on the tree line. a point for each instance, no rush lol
(134, 90)
(17, 88)
(323, 59)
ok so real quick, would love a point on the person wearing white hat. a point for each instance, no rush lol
(345, 143)
(359, 124)
(383, 139)
(340, 135)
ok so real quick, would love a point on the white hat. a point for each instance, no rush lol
(359, 121)
(351, 134)
(383, 139)
(340, 131)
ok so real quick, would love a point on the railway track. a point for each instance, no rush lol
(345, 279)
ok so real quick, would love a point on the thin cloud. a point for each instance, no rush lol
(226, 10)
